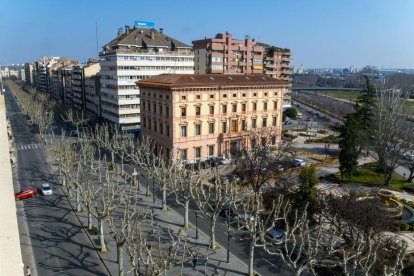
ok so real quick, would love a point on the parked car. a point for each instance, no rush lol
(228, 212)
(223, 161)
(298, 162)
(275, 235)
(409, 156)
(46, 189)
(25, 193)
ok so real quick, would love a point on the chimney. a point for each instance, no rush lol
(119, 32)
(152, 33)
(127, 28)
(161, 30)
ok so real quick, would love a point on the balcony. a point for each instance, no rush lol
(287, 72)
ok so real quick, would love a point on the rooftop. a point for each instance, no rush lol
(210, 80)
(144, 37)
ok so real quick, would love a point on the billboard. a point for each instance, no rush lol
(144, 24)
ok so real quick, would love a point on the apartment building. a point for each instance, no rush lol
(92, 96)
(28, 68)
(194, 117)
(136, 54)
(79, 73)
(225, 55)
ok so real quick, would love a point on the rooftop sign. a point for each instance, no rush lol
(144, 24)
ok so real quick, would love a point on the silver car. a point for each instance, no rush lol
(46, 189)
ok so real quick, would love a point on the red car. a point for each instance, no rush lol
(25, 193)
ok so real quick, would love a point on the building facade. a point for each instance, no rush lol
(133, 55)
(225, 55)
(194, 117)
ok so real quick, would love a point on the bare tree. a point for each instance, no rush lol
(76, 118)
(122, 228)
(391, 131)
(101, 200)
(212, 200)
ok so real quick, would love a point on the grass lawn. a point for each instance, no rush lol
(344, 95)
(368, 176)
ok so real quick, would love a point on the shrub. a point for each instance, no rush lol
(291, 112)
(395, 228)
(404, 226)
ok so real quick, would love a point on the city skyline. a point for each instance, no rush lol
(320, 34)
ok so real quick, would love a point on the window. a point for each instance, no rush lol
(273, 140)
(276, 94)
(183, 154)
(234, 95)
(254, 106)
(149, 107)
(233, 126)
(211, 109)
(211, 128)
(243, 107)
(275, 105)
(244, 125)
(198, 152)
(254, 123)
(212, 96)
(198, 97)
(224, 127)
(265, 106)
(254, 94)
(149, 124)
(263, 142)
(198, 111)
(183, 131)
(264, 122)
(244, 94)
(183, 98)
(224, 108)
(265, 94)
(198, 129)
(225, 96)
(160, 108)
(183, 112)
(211, 150)
(274, 121)
(155, 126)
(167, 130)
(167, 111)
(161, 128)
(155, 107)
(234, 107)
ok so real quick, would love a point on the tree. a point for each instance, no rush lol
(348, 144)
(306, 193)
(291, 112)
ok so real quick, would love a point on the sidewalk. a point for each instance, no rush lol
(214, 265)
(10, 255)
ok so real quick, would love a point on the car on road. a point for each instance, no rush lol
(45, 189)
(25, 193)
(275, 235)
(299, 162)
(223, 161)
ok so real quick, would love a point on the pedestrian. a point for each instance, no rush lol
(28, 272)
(195, 259)
(367, 153)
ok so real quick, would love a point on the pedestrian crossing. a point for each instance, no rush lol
(30, 146)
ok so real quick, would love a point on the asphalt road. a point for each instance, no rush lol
(52, 241)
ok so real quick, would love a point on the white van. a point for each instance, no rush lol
(300, 115)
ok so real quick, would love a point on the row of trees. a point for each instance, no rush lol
(317, 235)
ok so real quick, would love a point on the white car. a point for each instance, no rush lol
(223, 160)
(46, 189)
(298, 162)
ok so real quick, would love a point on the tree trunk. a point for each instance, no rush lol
(122, 165)
(78, 205)
(147, 193)
(101, 236)
(120, 255)
(387, 176)
(164, 197)
(213, 232)
(186, 204)
(251, 257)
(411, 176)
(89, 220)
(113, 158)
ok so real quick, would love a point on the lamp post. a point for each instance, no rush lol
(196, 216)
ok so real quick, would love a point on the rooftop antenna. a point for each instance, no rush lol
(97, 48)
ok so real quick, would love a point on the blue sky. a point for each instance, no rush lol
(320, 33)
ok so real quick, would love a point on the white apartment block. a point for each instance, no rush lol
(134, 55)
